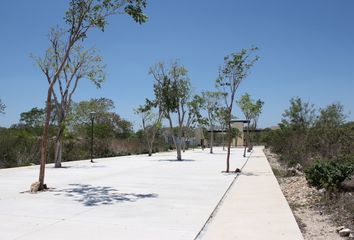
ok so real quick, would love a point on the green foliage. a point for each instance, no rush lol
(328, 134)
(236, 68)
(328, 175)
(194, 112)
(174, 100)
(19, 146)
(85, 14)
(308, 139)
(212, 104)
(81, 111)
(33, 118)
(300, 115)
(252, 110)
(171, 87)
(291, 139)
(113, 135)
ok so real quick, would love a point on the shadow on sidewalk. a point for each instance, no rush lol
(175, 160)
(91, 196)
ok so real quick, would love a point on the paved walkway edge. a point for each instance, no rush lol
(253, 207)
(221, 200)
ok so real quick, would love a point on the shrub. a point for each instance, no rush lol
(328, 175)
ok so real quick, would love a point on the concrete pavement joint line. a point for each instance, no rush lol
(213, 213)
(52, 224)
(36, 230)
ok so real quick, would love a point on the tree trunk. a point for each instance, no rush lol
(177, 141)
(150, 145)
(58, 146)
(223, 140)
(178, 148)
(184, 144)
(247, 139)
(150, 142)
(44, 142)
(211, 139)
(58, 153)
(229, 137)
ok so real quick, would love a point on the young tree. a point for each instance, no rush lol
(81, 64)
(151, 123)
(212, 106)
(296, 123)
(300, 115)
(251, 110)
(327, 133)
(235, 70)
(172, 90)
(194, 118)
(221, 117)
(81, 17)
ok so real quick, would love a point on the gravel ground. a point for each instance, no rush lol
(314, 224)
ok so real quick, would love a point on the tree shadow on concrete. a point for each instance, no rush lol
(175, 160)
(249, 174)
(79, 167)
(91, 196)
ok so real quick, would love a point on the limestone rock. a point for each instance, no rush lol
(294, 172)
(299, 167)
(35, 187)
(291, 171)
(344, 232)
(339, 228)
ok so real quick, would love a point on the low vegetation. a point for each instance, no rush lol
(113, 135)
(328, 174)
(322, 142)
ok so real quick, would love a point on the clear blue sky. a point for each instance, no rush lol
(306, 50)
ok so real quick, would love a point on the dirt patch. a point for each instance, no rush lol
(316, 221)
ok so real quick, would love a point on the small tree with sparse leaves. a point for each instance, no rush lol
(236, 68)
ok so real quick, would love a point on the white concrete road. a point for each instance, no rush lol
(140, 197)
(133, 197)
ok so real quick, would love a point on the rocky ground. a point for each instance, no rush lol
(318, 219)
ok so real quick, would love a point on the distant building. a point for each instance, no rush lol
(275, 127)
(220, 134)
(240, 125)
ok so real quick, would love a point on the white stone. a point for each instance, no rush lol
(344, 232)
(34, 187)
(339, 228)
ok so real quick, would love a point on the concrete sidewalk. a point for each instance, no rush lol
(254, 207)
(130, 197)
(140, 197)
